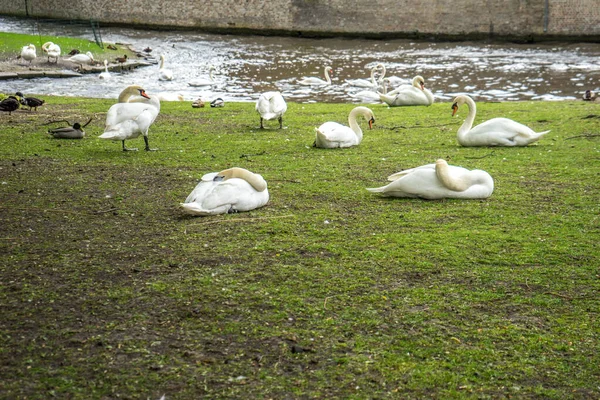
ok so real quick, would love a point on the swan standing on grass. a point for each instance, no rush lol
(331, 135)
(204, 81)
(28, 53)
(164, 74)
(231, 190)
(495, 132)
(271, 105)
(439, 181)
(318, 81)
(409, 95)
(105, 75)
(126, 120)
(52, 50)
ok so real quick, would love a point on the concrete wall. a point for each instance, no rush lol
(387, 18)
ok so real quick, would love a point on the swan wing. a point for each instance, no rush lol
(218, 197)
(503, 132)
(332, 134)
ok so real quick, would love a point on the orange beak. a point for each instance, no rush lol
(454, 109)
(143, 93)
(371, 122)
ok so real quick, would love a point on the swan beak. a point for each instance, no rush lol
(218, 178)
(371, 122)
(143, 93)
(454, 109)
(422, 86)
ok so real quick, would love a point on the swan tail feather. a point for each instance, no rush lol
(376, 190)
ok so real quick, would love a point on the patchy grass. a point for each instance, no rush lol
(109, 291)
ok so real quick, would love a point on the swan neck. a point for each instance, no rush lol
(466, 126)
(255, 180)
(354, 124)
(327, 77)
(126, 94)
(457, 183)
(383, 72)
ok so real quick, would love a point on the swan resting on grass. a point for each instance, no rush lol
(332, 134)
(438, 181)
(494, 132)
(229, 191)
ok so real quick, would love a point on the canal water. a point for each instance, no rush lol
(247, 65)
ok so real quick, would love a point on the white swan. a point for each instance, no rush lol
(439, 181)
(169, 96)
(105, 75)
(52, 50)
(86, 58)
(28, 53)
(164, 74)
(371, 82)
(126, 120)
(271, 105)
(204, 81)
(495, 132)
(370, 95)
(318, 81)
(409, 95)
(231, 190)
(332, 135)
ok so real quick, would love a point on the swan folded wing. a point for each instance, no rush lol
(220, 197)
(506, 132)
(402, 173)
(334, 132)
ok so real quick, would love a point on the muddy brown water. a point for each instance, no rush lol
(247, 65)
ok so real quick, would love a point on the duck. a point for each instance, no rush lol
(9, 104)
(229, 191)
(369, 83)
(28, 53)
(148, 50)
(82, 59)
(271, 105)
(204, 81)
(494, 132)
(198, 103)
(591, 96)
(438, 181)
(105, 75)
(52, 50)
(73, 52)
(69, 132)
(127, 120)
(218, 102)
(164, 74)
(332, 135)
(409, 95)
(31, 102)
(121, 60)
(318, 81)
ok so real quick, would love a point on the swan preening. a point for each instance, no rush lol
(164, 74)
(494, 132)
(332, 135)
(439, 181)
(127, 120)
(318, 81)
(409, 95)
(271, 105)
(231, 190)
(52, 50)
(28, 53)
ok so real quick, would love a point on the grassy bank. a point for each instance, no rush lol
(109, 291)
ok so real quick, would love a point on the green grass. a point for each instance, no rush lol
(110, 291)
(12, 43)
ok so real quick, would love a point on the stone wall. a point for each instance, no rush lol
(383, 18)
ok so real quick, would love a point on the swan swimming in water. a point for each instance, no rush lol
(271, 105)
(438, 181)
(494, 132)
(409, 95)
(204, 81)
(368, 83)
(231, 190)
(331, 135)
(105, 75)
(318, 81)
(127, 120)
(164, 74)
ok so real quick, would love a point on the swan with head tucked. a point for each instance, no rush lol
(231, 190)
(494, 132)
(368, 83)
(331, 135)
(127, 120)
(52, 50)
(271, 105)
(318, 81)
(204, 81)
(164, 74)
(409, 95)
(28, 53)
(105, 75)
(439, 181)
